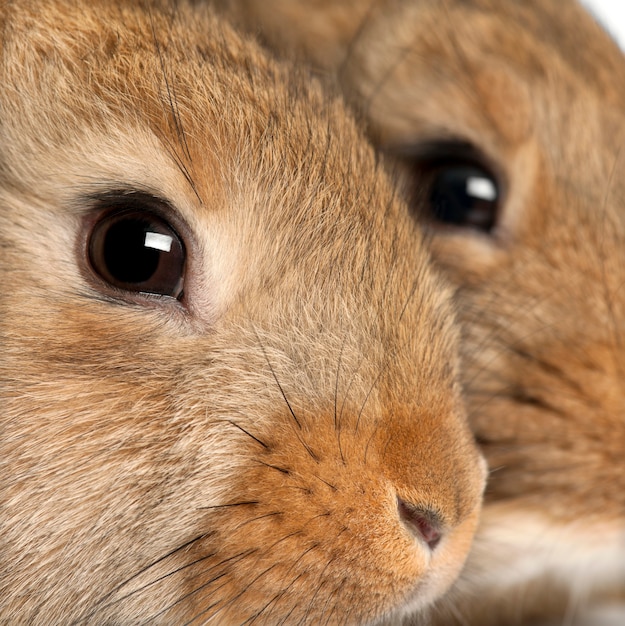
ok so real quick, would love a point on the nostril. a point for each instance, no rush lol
(425, 523)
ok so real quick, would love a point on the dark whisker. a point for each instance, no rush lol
(381, 83)
(180, 165)
(173, 103)
(325, 482)
(282, 470)
(175, 113)
(273, 373)
(336, 381)
(256, 439)
(352, 380)
(159, 579)
(281, 593)
(369, 440)
(371, 388)
(228, 505)
(235, 598)
(100, 603)
(259, 517)
(346, 615)
(229, 560)
(311, 601)
(616, 335)
(466, 69)
(351, 46)
(337, 416)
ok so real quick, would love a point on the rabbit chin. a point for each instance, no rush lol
(514, 550)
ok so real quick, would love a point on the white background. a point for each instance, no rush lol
(612, 14)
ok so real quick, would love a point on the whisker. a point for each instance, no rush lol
(283, 592)
(371, 388)
(402, 52)
(345, 398)
(159, 579)
(238, 596)
(228, 505)
(282, 470)
(101, 603)
(234, 559)
(336, 380)
(256, 439)
(181, 166)
(259, 517)
(311, 601)
(325, 482)
(466, 68)
(171, 97)
(616, 339)
(273, 373)
(175, 114)
(308, 449)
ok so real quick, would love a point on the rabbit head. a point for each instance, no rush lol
(228, 378)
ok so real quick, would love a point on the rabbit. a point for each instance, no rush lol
(506, 124)
(229, 374)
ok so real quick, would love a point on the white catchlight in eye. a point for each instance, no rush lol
(481, 188)
(157, 241)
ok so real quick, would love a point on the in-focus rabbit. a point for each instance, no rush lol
(228, 373)
(507, 118)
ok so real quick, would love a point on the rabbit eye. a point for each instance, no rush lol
(133, 249)
(462, 194)
(453, 186)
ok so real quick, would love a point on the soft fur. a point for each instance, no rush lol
(539, 88)
(236, 456)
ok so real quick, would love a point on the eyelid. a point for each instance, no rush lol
(121, 199)
(436, 150)
(448, 149)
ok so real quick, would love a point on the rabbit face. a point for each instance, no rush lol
(228, 374)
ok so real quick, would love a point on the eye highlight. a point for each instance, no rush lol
(132, 248)
(450, 183)
(462, 194)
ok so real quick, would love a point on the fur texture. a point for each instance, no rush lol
(538, 88)
(236, 455)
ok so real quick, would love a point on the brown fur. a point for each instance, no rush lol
(235, 456)
(538, 88)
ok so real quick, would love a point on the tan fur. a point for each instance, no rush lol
(538, 88)
(236, 456)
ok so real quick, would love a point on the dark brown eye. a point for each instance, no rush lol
(462, 194)
(133, 249)
(451, 185)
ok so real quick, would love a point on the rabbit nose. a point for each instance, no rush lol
(420, 521)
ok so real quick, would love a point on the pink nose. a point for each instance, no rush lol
(420, 521)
